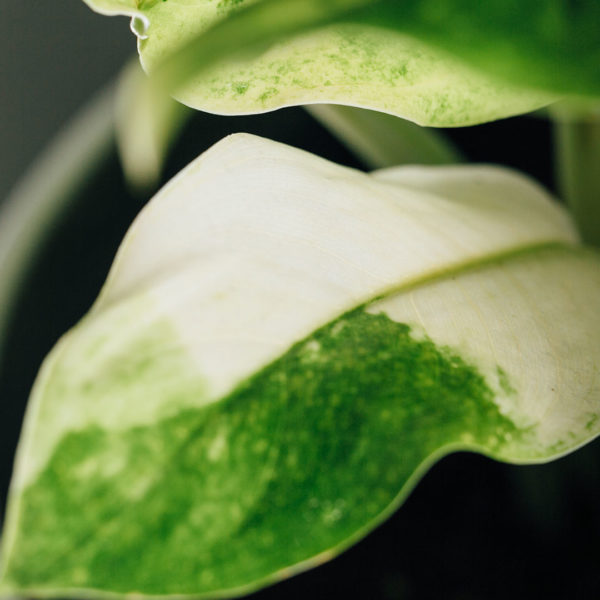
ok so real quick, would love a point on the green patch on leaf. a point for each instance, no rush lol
(230, 495)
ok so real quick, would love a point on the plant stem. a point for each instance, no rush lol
(46, 190)
(382, 140)
(577, 156)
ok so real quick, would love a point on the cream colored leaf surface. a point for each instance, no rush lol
(282, 348)
(357, 66)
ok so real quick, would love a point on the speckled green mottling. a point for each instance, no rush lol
(241, 87)
(504, 381)
(226, 6)
(437, 62)
(302, 458)
(368, 68)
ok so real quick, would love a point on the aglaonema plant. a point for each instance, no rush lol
(284, 346)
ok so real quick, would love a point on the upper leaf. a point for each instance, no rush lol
(283, 346)
(448, 63)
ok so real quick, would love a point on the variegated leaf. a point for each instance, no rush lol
(440, 63)
(282, 348)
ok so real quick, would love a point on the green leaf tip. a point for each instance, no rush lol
(282, 348)
(450, 63)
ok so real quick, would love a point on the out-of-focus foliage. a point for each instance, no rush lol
(436, 62)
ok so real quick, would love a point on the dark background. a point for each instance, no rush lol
(473, 528)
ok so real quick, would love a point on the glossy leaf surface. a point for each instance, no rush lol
(448, 63)
(281, 350)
